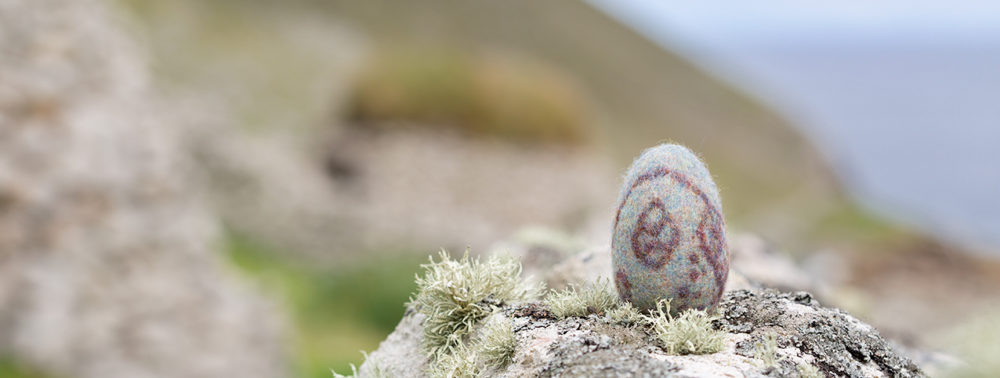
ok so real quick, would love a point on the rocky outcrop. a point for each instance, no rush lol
(767, 333)
(106, 254)
(807, 335)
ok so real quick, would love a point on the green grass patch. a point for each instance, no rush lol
(337, 311)
(497, 95)
(856, 225)
(262, 63)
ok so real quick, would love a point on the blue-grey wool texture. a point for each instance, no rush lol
(669, 238)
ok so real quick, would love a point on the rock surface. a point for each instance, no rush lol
(806, 334)
(106, 253)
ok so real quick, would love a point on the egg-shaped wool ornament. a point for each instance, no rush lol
(669, 237)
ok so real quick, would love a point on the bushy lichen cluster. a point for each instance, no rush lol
(456, 294)
(625, 313)
(496, 341)
(689, 333)
(767, 350)
(375, 369)
(461, 363)
(493, 347)
(591, 299)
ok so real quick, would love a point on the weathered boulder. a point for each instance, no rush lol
(766, 333)
(106, 254)
(807, 334)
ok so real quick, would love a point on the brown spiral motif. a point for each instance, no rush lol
(647, 246)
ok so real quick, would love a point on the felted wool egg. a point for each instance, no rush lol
(669, 238)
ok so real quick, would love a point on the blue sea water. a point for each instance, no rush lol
(909, 117)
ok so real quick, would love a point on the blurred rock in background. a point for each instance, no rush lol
(106, 251)
(457, 151)
(413, 186)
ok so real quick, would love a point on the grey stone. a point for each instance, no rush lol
(806, 332)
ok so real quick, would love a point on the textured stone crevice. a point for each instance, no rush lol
(807, 333)
(837, 343)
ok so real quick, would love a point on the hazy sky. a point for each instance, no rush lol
(723, 21)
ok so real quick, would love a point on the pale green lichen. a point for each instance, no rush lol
(461, 363)
(496, 341)
(807, 370)
(455, 294)
(624, 313)
(767, 350)
(689, 333)
(493, 347)
(592, 299)
(375, 369)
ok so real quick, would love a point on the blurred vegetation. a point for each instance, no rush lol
(12, 368)
(493, 95)
(336, 312)
(859, 226)
(977, 343)
(274, 66)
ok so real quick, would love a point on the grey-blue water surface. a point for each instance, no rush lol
(911, 125)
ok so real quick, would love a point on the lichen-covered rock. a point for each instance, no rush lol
(669, 237)
(806, 339)
(833, 341)
(809, 337)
